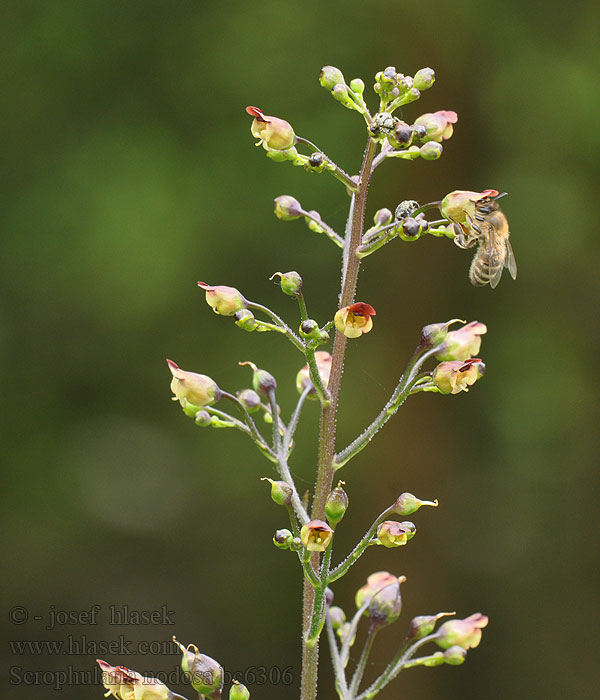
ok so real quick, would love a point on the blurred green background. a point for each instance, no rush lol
(130, 173)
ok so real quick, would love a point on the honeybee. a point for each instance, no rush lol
(488, 229)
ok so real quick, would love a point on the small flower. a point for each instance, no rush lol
(460, 203)
(274, 133)
(375, 582)
(287, 208)
(223, 300)
(196, 389)
(394, 534)
(463, 633)
(463, 343)
(438, 125)
(456, 376)
(323, 360)
(386, 605)
(354, 320)
(125, 684)
(316, 535)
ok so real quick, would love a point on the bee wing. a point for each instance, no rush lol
(510, 263)
(496, 278)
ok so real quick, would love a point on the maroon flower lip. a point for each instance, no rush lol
(256, 113)
(362, 309)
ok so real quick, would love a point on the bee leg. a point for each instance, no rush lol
(473, 225)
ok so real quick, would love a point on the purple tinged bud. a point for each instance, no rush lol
(463, 343)
(435, 333)
(403, 134)
(204, 674)
(202, 418)
(419, 131)
(340, 93)
(313, 225)
(386, 605)
(330, 76)
(383, 217)
(455, 656)
(262, 381)
(250, 399)
(424, 78)
(431, 150)
(407, 504)
(337, 617)
(424, 625)
(245, 319)
(290, 282)
(309, 328)
(196, 389)
(316, 161)
(283, 539)
(223, 300)
(281, 493)
(336, 504)
(287, 208)
(411, 228)
(329, 595)
(357, 85)
(238, 691)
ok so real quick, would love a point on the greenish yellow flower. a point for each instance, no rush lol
(354, 320)
(438, 125)
(463, 343)
(124, 684)
(457, 205)
(463, 633)
(189, 387)
(456, 376)
(316, 535)
(223, 300)
(275, 134)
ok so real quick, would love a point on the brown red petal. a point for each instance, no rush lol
(362, 309)
(256, 113)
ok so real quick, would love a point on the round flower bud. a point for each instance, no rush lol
(431, 150)
(411, 228)
(375, 582)
(291, 282)
(238, 691)
(281, 493)
(250, 399)
(463, 343)
(337, 616)
(393, 534)
(316, 536)
(336, 504)
(202, 418)
(403, 134)
(223, 300)
(463, 633)
(407, 504)
(316, 161)
(382, 217)
(435, 333)
(197, 389)
(328, 596)
(287, 208)
(424, 625)
(244, 318)
(455, 656)
(330, 76)
(314, 225)
(357, 85)
(386, 605)
(262, 381)
(296, 544)
(424, 78)
(419, 131)
(309, 328)
(454, 377)
(274, 133)
(283, 539)
(340, 93)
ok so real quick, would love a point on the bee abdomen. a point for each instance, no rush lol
(482, 270)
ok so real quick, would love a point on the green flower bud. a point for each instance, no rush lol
(287, 208)
(330, 76)
(281, 493)
(196, 389)
(393, 534)
(244, 318)
(204, 674)
(262, 381)
(424, 78)
(316, 162)
(250, 399)
(435, 333)
(223, 300)
(337, 616)
(336, 504)
(431, 150)
(273, 133)
(455, 656)
(283, 539)
(463, 633)
(309, 328)
(407, 504)
(316, 536)
(202, 418)
(238, 692)
(344, 631)
(386, 605)
(383, 217)
(357, 85)
(340, 93)
(411, 229)
(454, 377)
(291, 282)
(411, 96)
(424, 625)
(463, 343)
(313, 225)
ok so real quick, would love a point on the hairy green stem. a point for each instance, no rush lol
(336, 661)
(329, 232)
(280, 323)
(362, 662)
(325, 468)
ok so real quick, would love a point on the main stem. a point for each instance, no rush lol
(325, 467)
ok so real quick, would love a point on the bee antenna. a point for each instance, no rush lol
(502, 194)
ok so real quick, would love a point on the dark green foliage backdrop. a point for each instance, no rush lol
(130, 173)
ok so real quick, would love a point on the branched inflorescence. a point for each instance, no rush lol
(445, 360)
